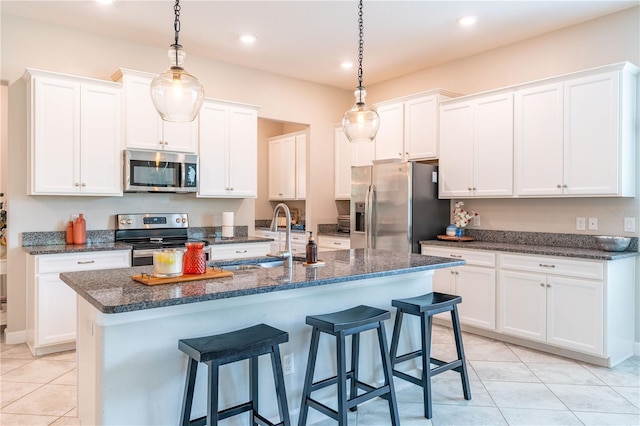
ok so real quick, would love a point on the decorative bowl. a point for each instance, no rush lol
(608, 243)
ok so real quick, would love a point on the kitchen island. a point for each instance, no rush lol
(130, 370)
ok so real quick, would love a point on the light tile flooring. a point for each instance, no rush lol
(510, 385)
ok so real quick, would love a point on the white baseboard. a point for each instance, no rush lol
(15, 337)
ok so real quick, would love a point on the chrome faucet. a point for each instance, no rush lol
(286, 254)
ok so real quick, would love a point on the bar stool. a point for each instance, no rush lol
(425, 307)
(350, 322)
(214, 351)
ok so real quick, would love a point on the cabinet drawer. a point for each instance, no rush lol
(551, 265)
(238, 251)
(82, 261)
(334, 243)
(275, 235)
(472, 257)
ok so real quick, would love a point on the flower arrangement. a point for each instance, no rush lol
(461, 217)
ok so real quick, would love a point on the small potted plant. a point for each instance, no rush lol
(461, 218)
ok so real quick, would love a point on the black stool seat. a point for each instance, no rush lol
(350, 322)
(248, 343)
(425, 306)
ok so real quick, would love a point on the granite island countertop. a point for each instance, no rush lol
(114, 291)
(75, 248)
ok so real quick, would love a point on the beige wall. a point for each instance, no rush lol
(610, 39)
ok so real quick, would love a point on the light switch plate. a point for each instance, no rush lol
(581, 224)
(593, 223)
(629, 224)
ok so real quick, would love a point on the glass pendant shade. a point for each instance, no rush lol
(176, 94)
(360, 123)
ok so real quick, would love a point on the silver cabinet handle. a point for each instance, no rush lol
(86, 262)
(548, 285)
(544, 265)
(541, 284)
(456, 256)
(241, 251)
(337, 243)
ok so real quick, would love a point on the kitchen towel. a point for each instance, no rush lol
(227, 224)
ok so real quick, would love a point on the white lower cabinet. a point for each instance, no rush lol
(475, 283)
(298, 243)
(238, 250)
(326, 243)
(274, 245)
(51, 304)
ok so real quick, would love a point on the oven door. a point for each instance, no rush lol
(145, 257)
(159, 171)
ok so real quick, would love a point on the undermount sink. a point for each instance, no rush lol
(245, 266)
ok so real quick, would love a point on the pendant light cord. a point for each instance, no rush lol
(176, 22)
(360, 44)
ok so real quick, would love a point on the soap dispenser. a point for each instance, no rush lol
(312, 250)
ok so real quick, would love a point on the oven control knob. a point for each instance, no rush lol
(177, 220)
(129, 221)
(122, 221)
(184, 220)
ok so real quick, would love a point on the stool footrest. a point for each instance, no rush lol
(232, 411)
(257, 418)
(408, 356)
(329, 381)
(445, 366)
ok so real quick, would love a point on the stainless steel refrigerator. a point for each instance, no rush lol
(396, 205)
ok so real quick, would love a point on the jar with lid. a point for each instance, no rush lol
(195, 259)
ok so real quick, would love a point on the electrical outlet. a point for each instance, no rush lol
(593, 223)
(287, 364)
(581, 224)
(629, 224)
(476, 220)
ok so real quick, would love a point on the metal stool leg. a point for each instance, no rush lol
(388, 374)
(187, 400)
(308, 379)
(355, 355)
(212, 393)
(342, 378)
(426, 363)
(253, 384)
(457, 332)
(396, 337)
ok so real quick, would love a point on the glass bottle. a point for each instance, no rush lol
(195, 259)
(311, 250)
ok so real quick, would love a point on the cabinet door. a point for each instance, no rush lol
(282, 168)
(421, 128)
(143, 125)
(523, 305)
(362, 154)
(238, 251)
(180, 137)
(539, 140)
(456, 150)
(243, 152)
(301, 167)
(342, 164)
(477, 286)
(56, 322)
(575, 315)
(213, 147)
(493, 146)
(101, 138)
(592, 123)
(55, 167)
(389, 141)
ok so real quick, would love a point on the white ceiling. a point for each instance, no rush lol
(309, 39)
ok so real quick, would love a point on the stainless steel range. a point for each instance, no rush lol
(152, 231)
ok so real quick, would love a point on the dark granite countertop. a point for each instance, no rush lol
(113, 290)
(75, 248)
(238, 240)
(577, 252)
(336, 234)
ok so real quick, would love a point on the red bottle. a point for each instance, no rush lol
(80, 230)
(69, 238)
(195, 259)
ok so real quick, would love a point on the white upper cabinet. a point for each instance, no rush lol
(476, 147)
(348, 154)
(409, 126)
(144, 129)
(228, 150)
(287, 166)
(75, 135)
(580, 131)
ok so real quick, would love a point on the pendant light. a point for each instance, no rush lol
(360, 123)
(176, 94)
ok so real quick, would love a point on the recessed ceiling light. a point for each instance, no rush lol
(467, 21)
(248, 38)
(347, 65)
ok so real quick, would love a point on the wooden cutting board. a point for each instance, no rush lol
(209, 274)
(448, 238)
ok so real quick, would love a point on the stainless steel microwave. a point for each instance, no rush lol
(160, 171)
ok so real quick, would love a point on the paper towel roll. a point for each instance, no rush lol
(227, 224)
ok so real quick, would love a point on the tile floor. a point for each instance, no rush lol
(510, 385)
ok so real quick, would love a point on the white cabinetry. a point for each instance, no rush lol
(238, 250)
(326, 243)
(51, 304)
(287, 166)
(475, 282)
(75, 135)
(228, 149)
(476, 147)
(409, 126)
(274, 246)
(580, 131)
(581, 305)
(348, 154)
(298, 243)
(144, 129)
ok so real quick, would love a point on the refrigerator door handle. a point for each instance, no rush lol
(368, 209)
